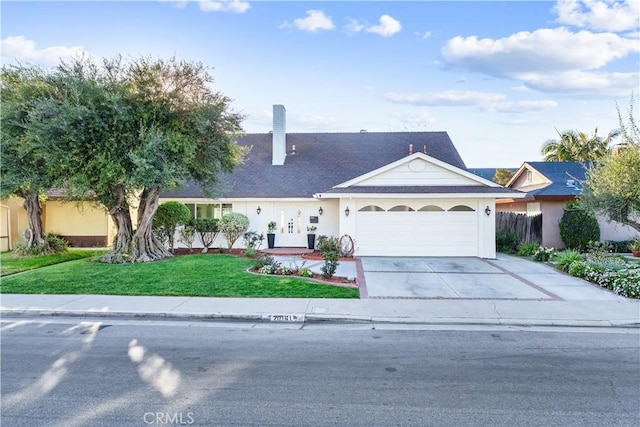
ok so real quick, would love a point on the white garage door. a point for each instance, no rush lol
(417, 229)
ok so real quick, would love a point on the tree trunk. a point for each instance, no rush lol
(34, 235)
(121, 250)
(144, 244)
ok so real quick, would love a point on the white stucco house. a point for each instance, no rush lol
(393, 193)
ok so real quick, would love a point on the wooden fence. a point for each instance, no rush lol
(528, 229)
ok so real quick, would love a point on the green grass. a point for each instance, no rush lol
(11, 263)
(191, 275)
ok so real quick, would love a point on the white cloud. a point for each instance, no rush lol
(314, 21)
(417, 119)
(548, 59)
(486, 101)
(388, 26)
(19, 48)
(353, 26)
(447, 98)
(607, 15)
(234, 6)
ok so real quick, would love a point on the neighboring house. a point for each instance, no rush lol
(82, 225)
(549, 186)
(393, 193)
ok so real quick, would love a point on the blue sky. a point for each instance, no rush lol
(500, 77)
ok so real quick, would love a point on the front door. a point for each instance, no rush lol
(291, 231)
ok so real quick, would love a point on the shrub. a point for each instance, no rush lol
(564, 259)
(167, 219)
(577, 269)
(282, 270)
(619, 247)
(188, 233)
(208, 230)
(265, 260)
(528, 249)
(56, 243)
(627, 282)
(506, 241)
(253, 240)
(543, 254)
(330, 264)
(328, 246)
(232, 226)
(53, 244)
(578, 227)
(305, 272)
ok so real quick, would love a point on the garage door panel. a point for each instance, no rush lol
(445, 233)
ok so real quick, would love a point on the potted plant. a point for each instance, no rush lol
(271, 234)
(635, 247)
(311, 236)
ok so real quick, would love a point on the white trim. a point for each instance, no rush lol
(239, 200)
(525, 166)
(410, 158)
(327, 196)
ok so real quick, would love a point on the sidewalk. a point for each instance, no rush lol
(616, 313)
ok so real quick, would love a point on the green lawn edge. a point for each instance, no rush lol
(202, 275)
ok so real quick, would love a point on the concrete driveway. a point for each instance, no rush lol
(507, 277)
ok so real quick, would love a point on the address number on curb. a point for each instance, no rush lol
(286, 318)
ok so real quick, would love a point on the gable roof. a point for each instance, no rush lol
(423, 159)
(565, 178)
(321, 161)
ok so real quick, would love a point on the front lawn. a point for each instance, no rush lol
(191, 275)
(11, 264)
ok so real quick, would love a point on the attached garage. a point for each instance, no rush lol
(419, 206)
(417, 228)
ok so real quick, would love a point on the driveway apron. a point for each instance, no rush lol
(506, 277)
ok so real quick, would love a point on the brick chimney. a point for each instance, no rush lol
(279, 146)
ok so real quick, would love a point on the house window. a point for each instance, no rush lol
(371, 208)
(401, 208)
(461, 208)
(528, 177)
(431, 208)
(210, 210)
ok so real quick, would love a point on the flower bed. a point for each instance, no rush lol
(611, 271)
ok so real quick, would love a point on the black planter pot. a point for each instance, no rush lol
(271, 240)
(311, 241)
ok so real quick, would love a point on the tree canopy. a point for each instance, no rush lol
(23, 170)
(612, 186)
(575, 146)
(124, 131)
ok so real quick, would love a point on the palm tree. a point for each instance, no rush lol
(577, 147)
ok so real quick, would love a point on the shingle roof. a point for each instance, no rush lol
(559, 173)
(322, 160)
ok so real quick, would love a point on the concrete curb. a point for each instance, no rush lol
(326, 319)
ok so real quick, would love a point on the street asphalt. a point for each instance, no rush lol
(504, 291)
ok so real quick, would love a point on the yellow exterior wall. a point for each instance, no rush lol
(69, 219)
(16, 217)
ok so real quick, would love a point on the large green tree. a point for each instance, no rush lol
(23, 168)
(577, 146)
(612, 187)
(124, 131)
